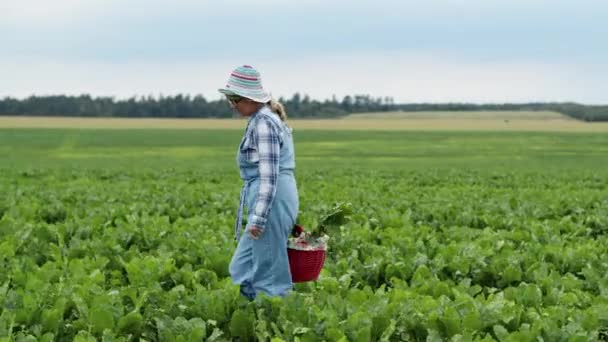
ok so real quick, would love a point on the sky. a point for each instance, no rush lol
(482, 51)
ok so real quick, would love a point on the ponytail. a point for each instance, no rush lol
(278, 108)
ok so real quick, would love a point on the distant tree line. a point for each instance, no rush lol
(298, 106)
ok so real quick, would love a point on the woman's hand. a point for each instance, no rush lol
(255, 232)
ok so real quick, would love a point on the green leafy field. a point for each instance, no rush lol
(126, 235)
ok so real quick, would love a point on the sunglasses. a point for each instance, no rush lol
(233, 99)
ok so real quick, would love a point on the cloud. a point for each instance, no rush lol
(436, 50)
(188, 30)
(40, 13)
(407, 76)
(28, 13)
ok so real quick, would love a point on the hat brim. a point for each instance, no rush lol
(262, 98)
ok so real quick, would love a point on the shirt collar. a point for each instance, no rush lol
(265, 109)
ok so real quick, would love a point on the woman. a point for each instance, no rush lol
(266, 161)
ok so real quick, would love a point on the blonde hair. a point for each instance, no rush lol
(278, 108)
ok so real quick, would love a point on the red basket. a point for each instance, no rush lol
(305, 265)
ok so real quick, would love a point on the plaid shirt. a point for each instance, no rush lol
(264, 145)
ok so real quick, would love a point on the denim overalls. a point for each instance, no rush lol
(262, 265)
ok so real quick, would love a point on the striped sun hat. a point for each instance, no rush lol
(245, 81)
